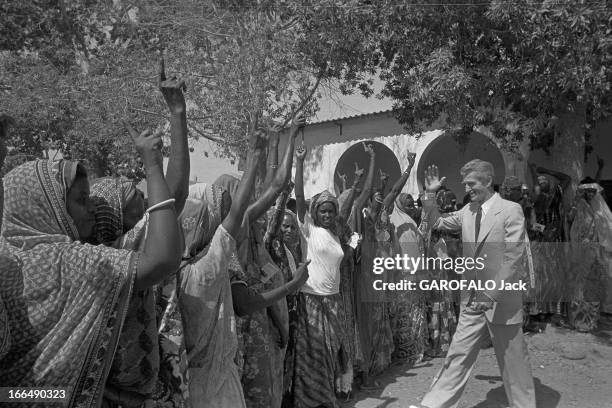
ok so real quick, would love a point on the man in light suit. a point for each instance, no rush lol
(494, 229)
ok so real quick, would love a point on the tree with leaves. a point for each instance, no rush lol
(527, 70)
(70, 79)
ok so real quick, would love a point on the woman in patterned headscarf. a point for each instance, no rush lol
(264, 328)
(203, 293)
(441, 314)
(321, 349)
(205, 297)
(77, 293)
(267, 335)
(119, 214)
(409, 311)
(119, 207)
(349, 240)
(591, 243)
(120, 224)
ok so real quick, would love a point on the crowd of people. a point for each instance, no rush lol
(234, 294)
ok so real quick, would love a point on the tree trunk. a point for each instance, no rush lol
(568, 149)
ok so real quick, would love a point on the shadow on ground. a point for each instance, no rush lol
(380, 398)
(546, 397)
(603, 333)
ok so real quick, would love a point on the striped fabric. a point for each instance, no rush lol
(321, 350)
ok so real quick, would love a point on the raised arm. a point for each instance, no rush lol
(376, 205)
(342, 178)
(257, 147)
(279, 213)
(383, 181)
(272, 160)
(300, 201)
(258, 208)
(399, 184)
(177, 173)
(164, 243)
(345, 210)
(367, 186)
(432, 218)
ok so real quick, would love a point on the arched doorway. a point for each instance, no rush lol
(449, 155)
(385, 161)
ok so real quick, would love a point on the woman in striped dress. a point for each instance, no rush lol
(321, 355)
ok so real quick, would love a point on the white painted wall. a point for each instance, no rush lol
(326, 145)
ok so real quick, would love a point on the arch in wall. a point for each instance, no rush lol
(446, 153)
(385, 161)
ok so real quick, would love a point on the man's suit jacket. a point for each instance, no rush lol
(501, 244)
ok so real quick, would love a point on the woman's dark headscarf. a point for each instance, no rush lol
(320, 199)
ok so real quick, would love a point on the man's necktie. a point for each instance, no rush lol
(477, 226)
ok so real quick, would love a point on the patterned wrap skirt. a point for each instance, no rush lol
(321, 350)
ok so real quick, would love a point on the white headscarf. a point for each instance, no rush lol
(601, 214)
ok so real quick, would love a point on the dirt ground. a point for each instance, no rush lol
(570, 369)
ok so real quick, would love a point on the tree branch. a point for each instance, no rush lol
(207, 136)
(306, 100)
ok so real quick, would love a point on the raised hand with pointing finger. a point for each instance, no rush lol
(342, 178)
(358, 171)
(148, 145)
(369, 149)
(384, 177)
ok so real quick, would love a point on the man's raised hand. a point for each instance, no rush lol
(433, 182)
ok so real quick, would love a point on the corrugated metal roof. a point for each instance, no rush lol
(358, 115)
(365, 139)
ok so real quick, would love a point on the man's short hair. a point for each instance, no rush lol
(483, 169)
